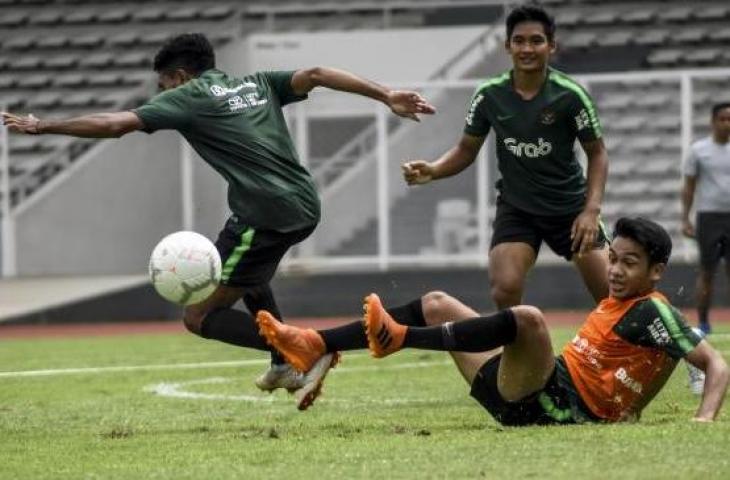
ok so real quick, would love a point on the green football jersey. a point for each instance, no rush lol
(535, 138)
(237, 126)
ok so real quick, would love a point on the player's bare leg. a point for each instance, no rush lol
(508, 266)
(593, 267)
(439, 308)
(528, 361)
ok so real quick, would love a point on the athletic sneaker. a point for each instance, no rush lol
(280, 376)
(301, 347)
(696, 379)
(385, 335)
(314, 379)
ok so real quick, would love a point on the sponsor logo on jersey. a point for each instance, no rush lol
(582, 120)
(591, 353)
(547, 117)
(248, 100)
(219, 91)
(473, 108)
(529, 150)
(623, 377)
(658, 332)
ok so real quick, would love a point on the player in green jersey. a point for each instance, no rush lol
(537, 113)
(236, 124)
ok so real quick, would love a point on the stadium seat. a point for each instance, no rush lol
(654, 100)
(720, 34)
(46, 17)
(7, 82)
(182, 14)
(132, 60)
(96, 60)
(639, 15)
(664, 57)
(652, 37)
(34, 81)
(615, 39)
(78, 100)
(27, 62)
(13, 19)
(154, 14)
(713, 12)
(80, 17)
(601, 17)
(125, 38)
(52, 41)
(105, 79)
(453, 228)
(217, 12)
(69, 80)
(118, 15)
(154, 38)
(44, 101)
(580, 40)
(679, 14)
(690, 35)
(91, 40)
(19, 42)
(61, 62)
(703, 56)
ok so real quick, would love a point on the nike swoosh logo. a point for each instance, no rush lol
(501, 118)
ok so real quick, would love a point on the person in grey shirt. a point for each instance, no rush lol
(707, 186)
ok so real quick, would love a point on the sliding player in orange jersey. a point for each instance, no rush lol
(617, 362)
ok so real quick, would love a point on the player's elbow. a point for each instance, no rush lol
(315, 76)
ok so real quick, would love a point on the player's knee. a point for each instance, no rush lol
(506, 293)
(192, 319)
(529, 319)
(434, 303)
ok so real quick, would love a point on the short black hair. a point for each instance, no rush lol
(531, 12)
(190, 51)
(650, 235)
(719, 106)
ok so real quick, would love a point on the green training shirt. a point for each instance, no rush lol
(540, 172)
(237, 126)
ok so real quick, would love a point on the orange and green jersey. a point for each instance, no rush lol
(624, 353)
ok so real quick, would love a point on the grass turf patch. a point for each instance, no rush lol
(403, 417)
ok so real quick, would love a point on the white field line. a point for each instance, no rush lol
(161, 367)
(179, 389)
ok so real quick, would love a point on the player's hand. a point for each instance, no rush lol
(21, 124)
(584, 231)
(417, 172)
(409, 104)
(688, 229)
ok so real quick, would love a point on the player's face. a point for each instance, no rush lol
(169, 80)
(721, 123)
(529, 47)
(629, 272)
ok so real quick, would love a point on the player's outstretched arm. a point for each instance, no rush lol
(418, 172)
(403, 103)
(717, 375)
(585, 227)
(95, 125)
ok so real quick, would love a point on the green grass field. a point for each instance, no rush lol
(190, 410)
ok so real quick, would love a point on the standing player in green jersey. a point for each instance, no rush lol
(537, 113)
(237, 126)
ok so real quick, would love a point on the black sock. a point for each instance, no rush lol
(410, 314)
(234, 327)
(262, 298)
(352, 335)
(703, 314)
(475, 335)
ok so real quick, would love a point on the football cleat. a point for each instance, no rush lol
(385, 335)
(301, 347)
(314, 379)
(280, 376)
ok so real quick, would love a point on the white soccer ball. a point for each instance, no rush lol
(185, 268)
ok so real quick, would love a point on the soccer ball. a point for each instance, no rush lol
(185, 268)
